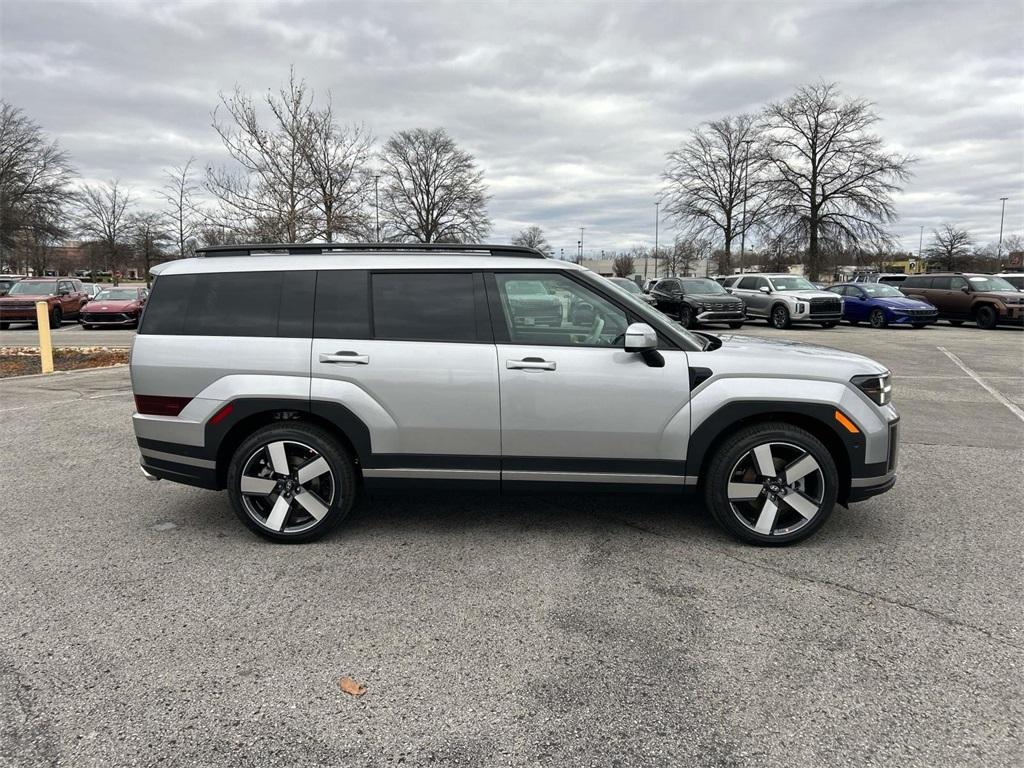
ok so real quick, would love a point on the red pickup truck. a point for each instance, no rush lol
(64, 295)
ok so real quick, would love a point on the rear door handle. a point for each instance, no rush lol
(531, 364)
(352, 358)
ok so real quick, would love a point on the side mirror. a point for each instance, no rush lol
(765, 289)
(640, 337)
(965, 288)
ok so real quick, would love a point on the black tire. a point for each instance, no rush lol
(55, 318)
(830, 324)
(686, 316)
(986, 317)
(722, 470)
(877, 319)
(4, 326)
(734, 326)
(86, 327)
(780, 317)
(853, 322)
(342, 477)
(920, 325)
(955, 323)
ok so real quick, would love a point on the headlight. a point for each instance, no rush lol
(876, 386)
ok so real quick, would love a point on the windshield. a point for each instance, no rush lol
(792, 284)
(702, 285)
(880, 290)
(118, 294)
(625, 284)
(977, 284)
(40, 288)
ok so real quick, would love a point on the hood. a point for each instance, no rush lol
(815, 294)
(119, 305)
(753, 355)
(724, 297)
(901, 302)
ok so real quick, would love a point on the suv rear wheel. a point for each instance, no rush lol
(986, 317)
(771, 484)
(291, 482)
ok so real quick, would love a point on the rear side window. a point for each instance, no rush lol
(917, 282)
(424, 307)
(749, 283)
(342, 305)
(940, 283)
(270, 304)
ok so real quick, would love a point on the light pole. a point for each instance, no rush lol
(743, 222)
(580, 244)
(657, 206)
(1002, 215)
(376, 203)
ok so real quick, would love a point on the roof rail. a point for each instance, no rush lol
(306, 249)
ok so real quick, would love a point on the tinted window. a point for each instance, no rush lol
(424, 306)
(233, 304)
(342, 305)
(941, 283)
(748, 284)
(917, 282)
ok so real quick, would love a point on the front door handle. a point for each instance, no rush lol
(352, 358)
(531, 364)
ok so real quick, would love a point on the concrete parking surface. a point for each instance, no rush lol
(142, 624)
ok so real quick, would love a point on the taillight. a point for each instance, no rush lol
(160, 405)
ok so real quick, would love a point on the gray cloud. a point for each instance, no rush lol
(569, 108)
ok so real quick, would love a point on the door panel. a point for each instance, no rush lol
(595, 403)
(442, 398)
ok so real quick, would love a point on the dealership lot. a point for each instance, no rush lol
(143, 622)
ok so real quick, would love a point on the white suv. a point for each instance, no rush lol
(786, 299)
(296, 377)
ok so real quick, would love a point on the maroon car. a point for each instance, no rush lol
(115, 306)
(64, 295)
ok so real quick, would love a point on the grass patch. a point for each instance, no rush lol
(23, 361)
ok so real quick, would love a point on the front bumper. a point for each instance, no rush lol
(818, 317)
(18, 315)
(882, 477)
(722, 315)
(121, 319)
(895, 316)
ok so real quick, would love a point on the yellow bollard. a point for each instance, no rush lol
(45, 343)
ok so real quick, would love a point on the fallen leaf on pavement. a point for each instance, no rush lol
(351, 687)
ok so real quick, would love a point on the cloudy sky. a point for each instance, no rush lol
(568, 107)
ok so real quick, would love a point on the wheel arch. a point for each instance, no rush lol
(812, 417)
(247, 416)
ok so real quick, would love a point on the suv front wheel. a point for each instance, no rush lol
(780, 317)
(291, 482)
(771, 484)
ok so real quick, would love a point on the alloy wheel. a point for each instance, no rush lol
(287, 486)
(776, 489)
(878, 319)
(780, 317)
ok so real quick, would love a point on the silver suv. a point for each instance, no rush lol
(786, 299)
(297, 377)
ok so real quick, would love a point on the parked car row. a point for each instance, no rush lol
(783, 300)
(70, 299)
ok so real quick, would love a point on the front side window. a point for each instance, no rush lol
(567, 314)
(428, 306)
(957, 283)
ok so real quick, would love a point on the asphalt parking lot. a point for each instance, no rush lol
(142, 624)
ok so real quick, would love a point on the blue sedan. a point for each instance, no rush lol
(881, 304)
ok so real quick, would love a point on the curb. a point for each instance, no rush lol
(61, 373)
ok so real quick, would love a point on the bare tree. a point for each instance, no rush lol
(433, 191)
(181, 214)
(104, 213)
(35, 176)
(269, 197)
(149, 235)
(532, 237)
(949, 245)
(624, 265)
(710, 176)
(832, 180)
(339, 179)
